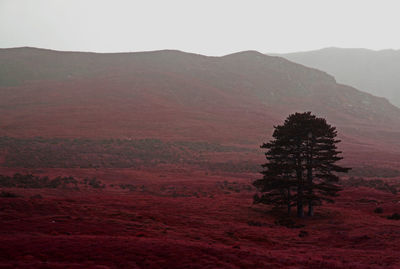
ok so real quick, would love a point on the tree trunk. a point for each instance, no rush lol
(310, 192)
(300, 210)
(310, 181)
(310, 210)
(289, 206)
(299, 172)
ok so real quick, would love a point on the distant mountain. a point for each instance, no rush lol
(376, 72)
(172, 95)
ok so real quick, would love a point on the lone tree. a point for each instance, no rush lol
(301, 164)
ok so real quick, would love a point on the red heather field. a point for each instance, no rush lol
(173, 141)
(186, 219)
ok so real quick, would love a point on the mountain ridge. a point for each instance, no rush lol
(374, 71)
(172, 95)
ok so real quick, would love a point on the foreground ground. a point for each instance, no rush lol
(181, 219)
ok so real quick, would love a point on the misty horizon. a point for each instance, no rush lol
(265, 26)
(269, 53)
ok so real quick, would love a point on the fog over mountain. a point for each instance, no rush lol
(376, 72)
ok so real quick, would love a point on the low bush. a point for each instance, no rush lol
(377, 184)
(394, 216)
(378, 210)
(130, 187)
(94, 183)
(288, 223)
(6, 194)
(35, 182)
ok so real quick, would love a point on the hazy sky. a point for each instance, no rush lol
(211, 27)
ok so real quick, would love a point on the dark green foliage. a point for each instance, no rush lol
(130, 187)
(256, 223)
(6, 194)
(94, 183)
(35, 182)
(288, 223)
(394, 216)
(303, 233)
(301, 164)
(377, 184)
(378, 210)
(371, 171)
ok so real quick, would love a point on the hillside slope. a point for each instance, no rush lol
(172, 95)
(375, 72)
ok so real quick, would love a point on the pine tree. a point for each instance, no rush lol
(301, 164)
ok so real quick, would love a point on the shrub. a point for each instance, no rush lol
(6, 194)
(394, 216)
(288, 223)
(378, 210)
(35, 182)
(303, 233)
(256, 223)
(94, 183)
(130, 187)
(377, 184)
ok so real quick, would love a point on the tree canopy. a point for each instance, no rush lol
(301, 167)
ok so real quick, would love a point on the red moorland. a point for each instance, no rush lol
(172, 139)
(186, 219)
